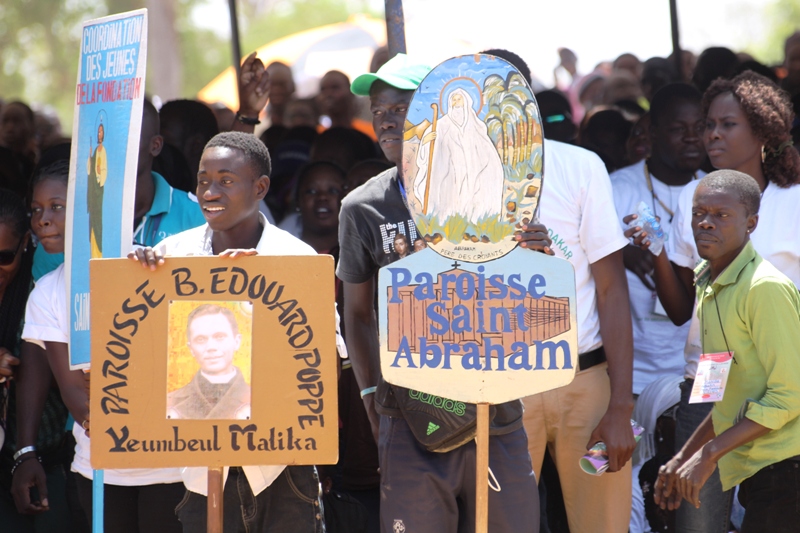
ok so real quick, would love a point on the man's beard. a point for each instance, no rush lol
(457, 114)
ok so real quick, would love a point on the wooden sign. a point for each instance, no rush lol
(109, 96)
(478, 332)
(472, 157)
(213, 362)
(466, 315)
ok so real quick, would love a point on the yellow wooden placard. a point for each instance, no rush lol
(213, 362)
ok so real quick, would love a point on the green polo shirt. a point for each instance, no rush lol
(759, 313)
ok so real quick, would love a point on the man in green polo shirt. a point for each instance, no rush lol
(750, 310)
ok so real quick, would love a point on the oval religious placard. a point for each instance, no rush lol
(473, 157)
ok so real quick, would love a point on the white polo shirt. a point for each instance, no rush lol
(578, 209)
(776, 238)
(657, 342)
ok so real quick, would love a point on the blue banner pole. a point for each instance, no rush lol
(97, 501)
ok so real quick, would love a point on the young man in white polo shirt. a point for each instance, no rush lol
(677, 124)
(676, 131)
(233, 179)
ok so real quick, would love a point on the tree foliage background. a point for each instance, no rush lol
(782, 20)
(40, 42)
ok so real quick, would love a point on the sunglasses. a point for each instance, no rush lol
(7, 256)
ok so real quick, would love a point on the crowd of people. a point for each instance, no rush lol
(711, 149)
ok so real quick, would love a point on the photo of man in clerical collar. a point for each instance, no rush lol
(218, 390)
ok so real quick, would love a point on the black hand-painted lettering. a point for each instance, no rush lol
(184, 287)
(217, 280)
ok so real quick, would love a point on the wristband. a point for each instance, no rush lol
(368, 390)
(247, 120)
(23, 451)
(20, 461)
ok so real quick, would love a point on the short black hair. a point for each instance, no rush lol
(512, 58)
(192, 116)
(53, 164)
(624, 55)
(13, 213)
(742, 185)
(248, 144)
(668, 95)
(657, 72)
(150, 117)
(57, 170)
(346, 146)
(25, 107)
(758, 68)
(715, 62)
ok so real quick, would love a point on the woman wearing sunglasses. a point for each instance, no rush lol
(16, 258)
(15, 276)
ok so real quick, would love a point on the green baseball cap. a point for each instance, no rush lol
(399, 72)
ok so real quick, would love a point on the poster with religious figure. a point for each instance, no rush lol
(472, 157)
(105, 151)
(470, 317)
(214, 362)
(209, 360)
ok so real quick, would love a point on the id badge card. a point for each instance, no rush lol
(711, 378)
(658, 309)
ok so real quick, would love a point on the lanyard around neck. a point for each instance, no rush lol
(649, 180)
(721, 328)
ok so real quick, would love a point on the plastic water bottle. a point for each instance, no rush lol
(595, 462)
(650, 224)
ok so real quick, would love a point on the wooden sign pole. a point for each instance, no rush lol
(482, 470)
(214, 500)
(430, 159)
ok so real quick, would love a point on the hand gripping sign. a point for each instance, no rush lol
(466, 316)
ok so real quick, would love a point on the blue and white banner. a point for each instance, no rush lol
(105, 145)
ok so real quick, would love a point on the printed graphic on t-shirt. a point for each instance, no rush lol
(401, 238)
(558, 242)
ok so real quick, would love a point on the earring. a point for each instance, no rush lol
(763, 153)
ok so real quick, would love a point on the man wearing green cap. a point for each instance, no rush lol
(421, 491)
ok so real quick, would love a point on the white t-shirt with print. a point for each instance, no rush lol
(776, 238)
(578, 209)
(657, 343)
(46, 320)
